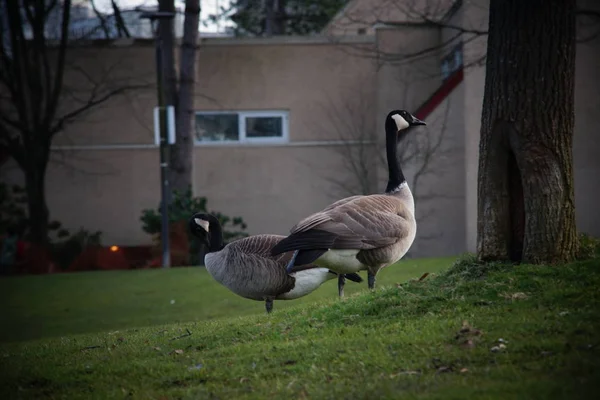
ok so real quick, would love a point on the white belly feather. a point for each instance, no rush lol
(307, 281)
(341, 261)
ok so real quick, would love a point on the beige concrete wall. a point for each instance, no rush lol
(272, 188)
(473, 15)
(95, 72)
(437, 178)
(586, 146)
(102, 190)
(302, 78)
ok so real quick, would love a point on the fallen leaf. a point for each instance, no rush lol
(156, 348)
(467, 335)
(178, 351)
(424, 276)
(463, 370)
(409, 373)
(513, 296)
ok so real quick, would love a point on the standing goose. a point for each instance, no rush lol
(360, 232)
(247, 268)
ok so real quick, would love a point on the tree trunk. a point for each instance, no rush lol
(526, 206)
(35, 172)
(167, 34)
(182, 151)
(269, 17)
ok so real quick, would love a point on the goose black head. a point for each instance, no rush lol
(200, 227)
(398, 120)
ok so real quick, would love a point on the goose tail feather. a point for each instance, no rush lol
(313, 239)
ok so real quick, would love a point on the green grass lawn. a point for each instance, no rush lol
(52, 305)
(434, 339)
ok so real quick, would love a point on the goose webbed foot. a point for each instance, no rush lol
(371, 280)
(341, 283)
(269, 305)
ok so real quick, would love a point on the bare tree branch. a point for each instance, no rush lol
(92, 102)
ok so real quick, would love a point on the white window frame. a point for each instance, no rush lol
(243, 139)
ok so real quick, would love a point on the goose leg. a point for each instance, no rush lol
(269, 305)
(371, 280)
(341, 283)
(291, 263)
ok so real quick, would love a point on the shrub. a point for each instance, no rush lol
(64, 252)
(63, 246)
(183, 206)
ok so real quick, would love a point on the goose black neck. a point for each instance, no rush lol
(395, 175)
(216, 234)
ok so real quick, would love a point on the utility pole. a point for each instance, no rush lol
(164, 145)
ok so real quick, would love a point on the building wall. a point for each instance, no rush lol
(105, 169)
(473, 15)
(586, 146)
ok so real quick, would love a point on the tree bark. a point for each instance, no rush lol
(166, 33)
(526, 209)
(35, 165)
(182, 151)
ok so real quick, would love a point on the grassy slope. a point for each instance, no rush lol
(42, 306)
(395, 342)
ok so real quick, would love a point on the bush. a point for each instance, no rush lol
(66, 251)
(63, 246)
(182, 207)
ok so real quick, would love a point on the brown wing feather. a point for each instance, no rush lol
(362, 222)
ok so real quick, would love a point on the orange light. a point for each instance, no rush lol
(114, 248)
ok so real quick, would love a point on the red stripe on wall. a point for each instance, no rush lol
(440, 95)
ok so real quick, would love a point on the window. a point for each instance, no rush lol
(217, 127)
(452, 62)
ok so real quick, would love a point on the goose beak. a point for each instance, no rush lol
(417, 121)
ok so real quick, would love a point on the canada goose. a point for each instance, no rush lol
(246, 267)
(360, 232)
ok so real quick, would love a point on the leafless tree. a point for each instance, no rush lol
(179, 91)
(436, 14)
(351, 120)
(36, 101)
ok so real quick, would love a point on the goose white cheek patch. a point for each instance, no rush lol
(202, 223)
(400, 122)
